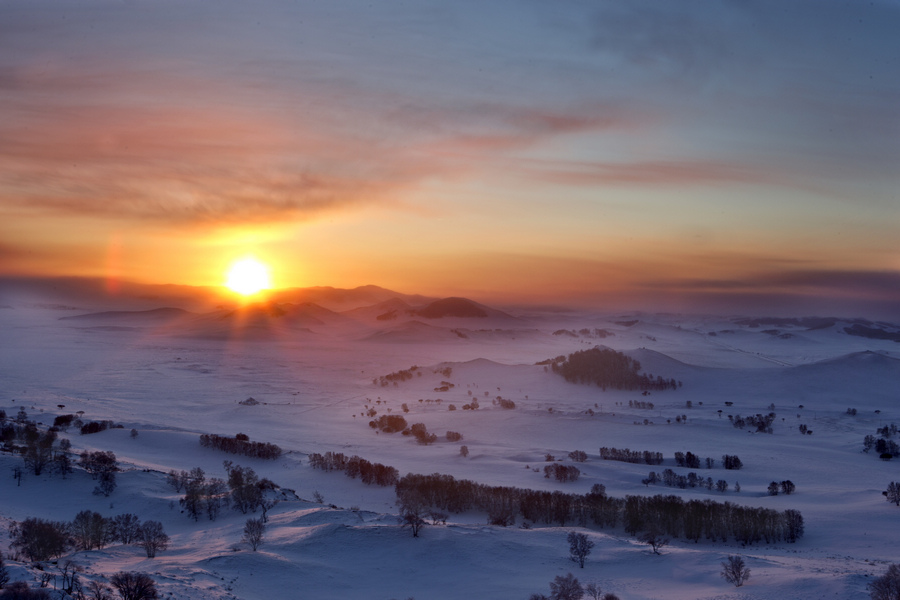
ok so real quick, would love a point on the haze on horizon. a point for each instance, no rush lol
(652, 155)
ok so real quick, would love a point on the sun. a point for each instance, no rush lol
(248, 276)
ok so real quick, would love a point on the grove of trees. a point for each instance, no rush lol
(608, 368)
(354, 466)
(41, 540)
(240, 444)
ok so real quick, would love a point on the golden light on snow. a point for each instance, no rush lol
(248, 276)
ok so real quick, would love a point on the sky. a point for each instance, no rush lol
(668, 155)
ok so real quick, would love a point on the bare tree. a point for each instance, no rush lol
(19, 590)
(38, 450)
(654, 538)
(134, 586)
(886, 587)
(126, 527)
(106, 484)
(68, 573)
(734, 571)
(266, 505)
(4, 573)
(253, 532)
(90, 530)
(893, 492)
(152, 538)
(39, 540)
(213, 497)
(412, 513)
(593, 590)
(99, 591)
(565, 588)
(244, 484)
(579, 547)
(437, 517)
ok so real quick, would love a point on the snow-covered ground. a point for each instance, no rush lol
(172, 376)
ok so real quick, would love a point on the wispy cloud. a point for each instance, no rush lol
(654, 173)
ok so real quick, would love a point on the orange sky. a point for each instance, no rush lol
(582, 155)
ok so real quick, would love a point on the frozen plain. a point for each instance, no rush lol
(172, 376)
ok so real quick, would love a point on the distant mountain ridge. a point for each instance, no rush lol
(393, 318)
(165, 313)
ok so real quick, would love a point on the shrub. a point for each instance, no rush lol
(506, 404)
(63, 421)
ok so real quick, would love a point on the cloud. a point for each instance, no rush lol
(146, 143)
(862, 283)
(653, 172)
(171, 162)
(759, 69)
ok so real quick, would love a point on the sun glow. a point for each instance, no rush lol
(248, 276)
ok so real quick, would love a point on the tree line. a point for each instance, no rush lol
(669, 514)
(631, 456)
(672, 479)
(666, 514)
(396, 376)
(40, 539)
(355, 467)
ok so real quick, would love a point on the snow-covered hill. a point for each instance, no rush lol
(318, 378)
